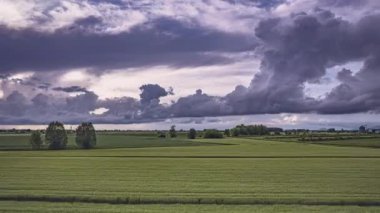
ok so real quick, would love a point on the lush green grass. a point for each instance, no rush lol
(104, 140)
(361, 141)
(187, 180)
(247, 171)
(14, 141)
(30, 207)
(364, 142)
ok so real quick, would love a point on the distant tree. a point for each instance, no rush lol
(227, 132)
(85, 136)
(192, 134)
(362, 129)
(172, 132)
(36, 140)
(331, 130)
(161, 134)
(56, 137)
(249, 130)
(235, 132)
(212, 133)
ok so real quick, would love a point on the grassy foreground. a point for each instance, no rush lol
(12, 206)
(247, 171)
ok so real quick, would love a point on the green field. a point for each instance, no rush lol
(21, 141)
(372, 141)
(176, 175)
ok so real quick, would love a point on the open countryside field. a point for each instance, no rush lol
(224, 175)
(336, 139)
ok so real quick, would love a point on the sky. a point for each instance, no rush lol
(207, 63)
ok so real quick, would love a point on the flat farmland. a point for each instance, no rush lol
(231, 174)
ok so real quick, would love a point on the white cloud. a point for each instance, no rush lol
(21, 76)
(12, 13)
(99, 111)
(51, 15)
(75, 76)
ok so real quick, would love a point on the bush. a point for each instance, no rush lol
(36, 140)
(192, 134)
(212, 133)
(161, 134)
(56, 137)
(85, 136)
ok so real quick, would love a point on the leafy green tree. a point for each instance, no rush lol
(212, 133)
(55, 136)
(235, 132)
(85, 136)
(172, 132)
(227, 132)
(35, 140)
(161, 134)
(249, 130)
(192, 134)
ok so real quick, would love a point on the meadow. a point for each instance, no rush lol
(150, 174)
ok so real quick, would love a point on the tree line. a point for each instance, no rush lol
(56, 136)
(239, 130)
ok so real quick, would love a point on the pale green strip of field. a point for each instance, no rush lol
(38, 207)
(234, 147)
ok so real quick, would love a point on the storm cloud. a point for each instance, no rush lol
(50, 66)
(299, 50)
(162, 41)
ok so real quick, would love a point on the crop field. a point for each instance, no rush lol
(21, 142)
(337, 140)
(148, 174)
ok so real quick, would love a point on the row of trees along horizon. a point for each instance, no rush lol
(239, 130)
(85, 134)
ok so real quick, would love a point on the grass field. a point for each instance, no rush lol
(31, 207)
(21, 141)
(363, 141)
(234, 173)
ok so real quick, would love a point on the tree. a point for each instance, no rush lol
(192, 134)
(36, 140)
(172, 132)
(161, 134)
(362, 129)
(212, 133)
(227, 132)
(56, 137)
(85, 136)
(249, 130)
(235, 132)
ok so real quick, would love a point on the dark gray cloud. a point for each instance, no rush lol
(70, 89)
(344, 3)
(14, 105)
(162, 41)
(82, 103)
(125, 107)
(153, 92)
(298, 50)
(294, 51)
(199, 104)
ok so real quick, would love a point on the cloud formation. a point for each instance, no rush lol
(296, 41)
